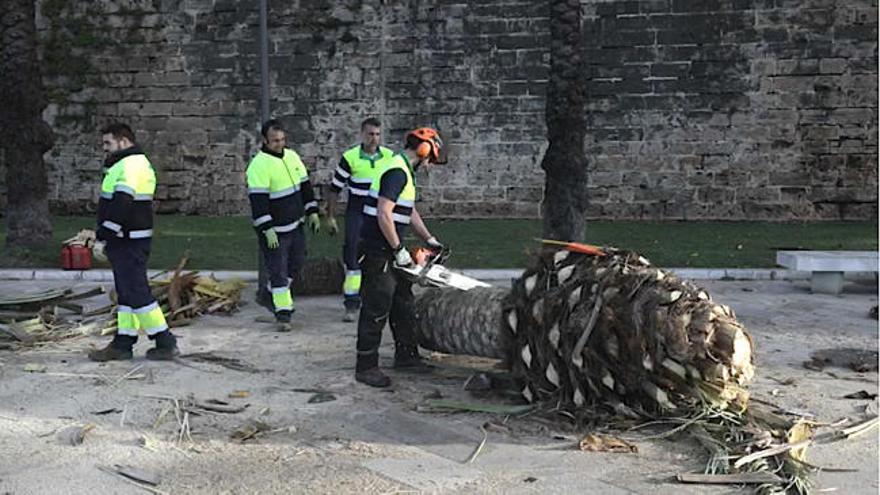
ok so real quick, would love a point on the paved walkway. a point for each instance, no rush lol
(375, 441)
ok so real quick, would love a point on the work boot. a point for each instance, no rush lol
(407, 358)
(373, 377)
(166, 347)
(119, 349)
(282, 318)
(351, 314)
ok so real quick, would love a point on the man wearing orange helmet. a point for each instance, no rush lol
(389, 208)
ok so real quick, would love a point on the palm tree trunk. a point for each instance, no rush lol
(24, 137)
(564, 162)
(459, 322)
(614, 330)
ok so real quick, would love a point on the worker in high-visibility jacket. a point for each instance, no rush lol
(387, 294)
(356, 170)
(282, 200)
(124, 234)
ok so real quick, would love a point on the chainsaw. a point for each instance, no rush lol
(428, 270)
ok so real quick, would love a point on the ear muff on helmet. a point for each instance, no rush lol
(424, 150)
(431, 147)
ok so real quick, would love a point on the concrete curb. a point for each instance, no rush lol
(481, 274)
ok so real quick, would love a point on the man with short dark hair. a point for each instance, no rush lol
(281, 199)
(124, 233)
(356, 170)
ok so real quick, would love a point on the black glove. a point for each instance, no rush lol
(434, 244)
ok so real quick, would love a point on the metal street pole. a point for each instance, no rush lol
(262, 278)
(264, 60)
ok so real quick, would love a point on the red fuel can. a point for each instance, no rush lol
(76, 258)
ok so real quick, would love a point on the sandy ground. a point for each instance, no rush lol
(375, 441)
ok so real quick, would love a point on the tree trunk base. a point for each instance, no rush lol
(27, 223)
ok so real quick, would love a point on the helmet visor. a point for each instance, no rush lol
(441, 154)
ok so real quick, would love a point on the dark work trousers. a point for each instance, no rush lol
(280, 266)
(387, 295)
(128, 258)
(354, 218)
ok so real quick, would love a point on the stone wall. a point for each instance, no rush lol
(725, 109)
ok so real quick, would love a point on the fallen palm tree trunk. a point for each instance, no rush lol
(609, 332)
(464, 322)
(583, 330)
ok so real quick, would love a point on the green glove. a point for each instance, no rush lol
(332, 226)
(99, 250)
(314, 222)
(271, 238)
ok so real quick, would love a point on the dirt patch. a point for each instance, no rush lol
(859, 360)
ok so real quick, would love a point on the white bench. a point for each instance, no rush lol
(827, 267)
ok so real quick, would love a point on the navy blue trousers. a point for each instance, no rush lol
(280, 266)
(128, 257)
(354, 218)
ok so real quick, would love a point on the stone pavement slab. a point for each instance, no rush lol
(426, 473)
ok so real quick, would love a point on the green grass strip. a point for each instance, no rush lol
(229, 243)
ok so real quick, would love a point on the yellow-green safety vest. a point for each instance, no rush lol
(405, 202)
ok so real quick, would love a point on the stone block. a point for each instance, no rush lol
(826, 282)
(155, 109)
(716, 195)
(604, 179)
(832, 65)
(461, 193)
(525, 194)
(760, 194)
(765, 211)
(731, 178)
(162, 79)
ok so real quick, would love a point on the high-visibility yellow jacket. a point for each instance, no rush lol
(357, 169)
(125, 208)
(279, 191)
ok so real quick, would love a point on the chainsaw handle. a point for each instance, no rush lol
(440, 256)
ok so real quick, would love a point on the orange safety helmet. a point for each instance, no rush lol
(431, 146)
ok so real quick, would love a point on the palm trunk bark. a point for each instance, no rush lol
(24, 137)
(564, 162)
(459, 322)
